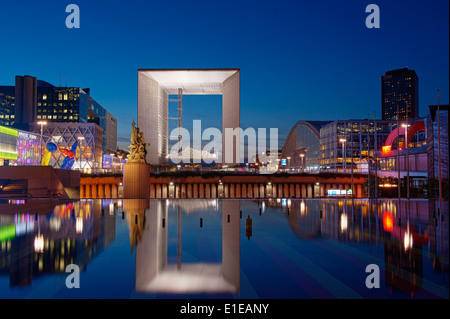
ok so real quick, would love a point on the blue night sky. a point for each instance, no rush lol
(299, 60)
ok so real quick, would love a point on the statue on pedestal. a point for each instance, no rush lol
(138, 147)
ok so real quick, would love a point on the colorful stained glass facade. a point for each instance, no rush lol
(18, 147)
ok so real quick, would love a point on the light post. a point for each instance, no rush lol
(41, 123)
(351, 160)
(343, 140)
(439, 154)
(80, 138)
(407, 157)
(302, 156)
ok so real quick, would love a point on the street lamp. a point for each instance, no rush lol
(407, 156)
(80, 138)
(302, 156)
(41, 123)
(343, 140)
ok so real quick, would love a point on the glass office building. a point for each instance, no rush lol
(73, 104)
(58, 105)
(352, 143)
(301, 150)
(400, 88)
(436, 142)
(18, 147)
(7, 105)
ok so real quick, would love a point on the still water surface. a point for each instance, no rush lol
(209, 248)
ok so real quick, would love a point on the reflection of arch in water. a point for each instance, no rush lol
(304, 218)
(155, 275)
(188, 206)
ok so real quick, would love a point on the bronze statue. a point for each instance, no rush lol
(138, 150)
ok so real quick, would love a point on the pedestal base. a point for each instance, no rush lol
(136, 180)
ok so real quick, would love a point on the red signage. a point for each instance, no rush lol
(386, 150)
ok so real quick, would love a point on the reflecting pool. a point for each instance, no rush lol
(210, 248)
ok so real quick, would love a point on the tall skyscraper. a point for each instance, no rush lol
(25, 105)
(400, 88)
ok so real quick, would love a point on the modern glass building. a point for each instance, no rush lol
(7, 105)
(301, 150)
(55, 104)
(352, 143)
(73, 104)
(88, 154)
(400, 88)
(18, 147)
(434, 142)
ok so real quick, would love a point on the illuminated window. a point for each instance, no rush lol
(60, 96)
(44, 96)
(65, 96)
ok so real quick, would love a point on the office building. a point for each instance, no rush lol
(400, 89)
(352, 143)
(301, 150)
(7, 105)
(32, 100)
(433, 130)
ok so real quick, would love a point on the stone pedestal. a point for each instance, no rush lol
(136, 180)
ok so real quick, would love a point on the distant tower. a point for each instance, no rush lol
(26, 100)
(400, 87)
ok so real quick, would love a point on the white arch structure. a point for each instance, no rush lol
(154, 88)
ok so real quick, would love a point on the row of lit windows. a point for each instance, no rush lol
(55, 111)
(57, 117)
(61, 96)
(6, 116)
(56, 104)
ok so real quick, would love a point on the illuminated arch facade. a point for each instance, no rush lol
(154, 88)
